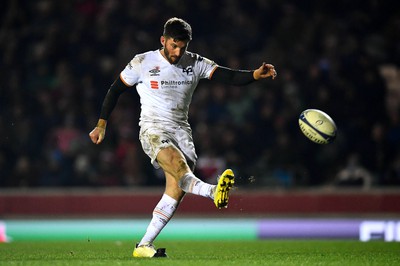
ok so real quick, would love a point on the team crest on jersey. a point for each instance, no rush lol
(155, 71)
(188, 70)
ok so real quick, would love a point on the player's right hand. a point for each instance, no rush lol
(97, 135)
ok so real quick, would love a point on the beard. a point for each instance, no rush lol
(171, 59)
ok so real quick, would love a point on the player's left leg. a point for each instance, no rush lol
(225, 184)
(173, 162)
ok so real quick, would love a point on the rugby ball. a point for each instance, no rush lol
(317, 126)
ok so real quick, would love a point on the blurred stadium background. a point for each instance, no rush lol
(60, 57)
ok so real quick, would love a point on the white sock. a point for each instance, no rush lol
(162, 213)
(191, 184)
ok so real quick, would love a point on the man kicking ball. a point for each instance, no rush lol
(165, 80)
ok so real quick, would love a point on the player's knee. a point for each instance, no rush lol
(181, 167)
(174, 163)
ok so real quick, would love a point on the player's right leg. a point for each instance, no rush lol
(162, 214)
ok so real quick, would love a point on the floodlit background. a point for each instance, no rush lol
(58, 59)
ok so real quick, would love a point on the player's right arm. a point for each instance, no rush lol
(116, 89)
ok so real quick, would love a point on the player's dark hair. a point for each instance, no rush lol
(177, 28)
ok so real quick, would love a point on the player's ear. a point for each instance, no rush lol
(162, 40)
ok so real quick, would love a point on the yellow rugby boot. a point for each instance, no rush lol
(148, 251)
(225, 183)
(144, 251)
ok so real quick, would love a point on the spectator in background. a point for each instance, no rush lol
(334, 53)
(354, 174)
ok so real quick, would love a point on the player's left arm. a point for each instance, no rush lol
(243, 77)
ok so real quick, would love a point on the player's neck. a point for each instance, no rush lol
(163, 54)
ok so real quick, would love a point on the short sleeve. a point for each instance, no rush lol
(206, 67)
(131, 74)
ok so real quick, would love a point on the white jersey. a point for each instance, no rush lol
(166, 89)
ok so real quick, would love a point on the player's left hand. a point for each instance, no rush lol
(265, 71)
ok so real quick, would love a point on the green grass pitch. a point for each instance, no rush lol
(262, 252)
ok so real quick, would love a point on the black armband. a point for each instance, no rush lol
(232, 76)
(111, 99)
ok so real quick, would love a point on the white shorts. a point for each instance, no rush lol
(156, 138)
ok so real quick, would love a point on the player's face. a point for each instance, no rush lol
(173, 49)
